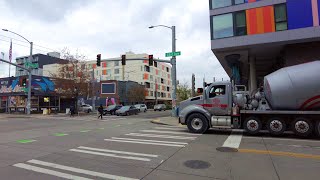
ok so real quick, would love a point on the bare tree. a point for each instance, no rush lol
(137, 93)
(75, 69)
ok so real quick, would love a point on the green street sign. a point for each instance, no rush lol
(31, 65)
(169, 54)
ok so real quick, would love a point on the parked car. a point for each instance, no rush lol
(85, 108)
(141, 107)
(160, 107)
(127, 110)
(111, 109)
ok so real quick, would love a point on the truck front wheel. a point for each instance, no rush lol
(302, 127)
(252, 125)
(197, 123)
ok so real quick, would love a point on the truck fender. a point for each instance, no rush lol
(191, 109)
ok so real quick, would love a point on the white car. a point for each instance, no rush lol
(141, 107)
(85, 108)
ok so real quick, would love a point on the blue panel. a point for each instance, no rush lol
(299, 14)
(108, 88)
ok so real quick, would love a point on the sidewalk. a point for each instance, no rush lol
(170, 121)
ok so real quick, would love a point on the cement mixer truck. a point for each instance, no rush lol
(289, 100)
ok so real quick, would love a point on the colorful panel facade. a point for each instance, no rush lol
(299, 14)
(260, 20)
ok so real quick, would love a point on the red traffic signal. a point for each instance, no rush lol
(150, 60)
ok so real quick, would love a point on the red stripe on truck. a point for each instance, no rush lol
(308, 101)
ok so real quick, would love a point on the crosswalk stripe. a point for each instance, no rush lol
(110, 155)
(78, 170)
(146, 140)
(48, 171)
(150, 143)
(120, 152)
(160, 136)
(170, 132)
(170, 128)
(234, 140)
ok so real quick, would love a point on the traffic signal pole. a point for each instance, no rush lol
(174, 73)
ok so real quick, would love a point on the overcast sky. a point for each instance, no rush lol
(113, 27)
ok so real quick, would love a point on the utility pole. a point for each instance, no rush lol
(93, 97)
(174, 73)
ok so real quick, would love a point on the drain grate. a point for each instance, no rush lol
(226, 149)
(197, 164)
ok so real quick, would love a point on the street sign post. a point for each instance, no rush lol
(170, 54)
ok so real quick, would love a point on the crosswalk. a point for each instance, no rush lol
(131, 147)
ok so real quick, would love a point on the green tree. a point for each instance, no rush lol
(183, 92)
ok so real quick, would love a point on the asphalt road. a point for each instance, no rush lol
(60, 147)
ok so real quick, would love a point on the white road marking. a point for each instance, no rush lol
(48, 171)
(167, 128)
(110, 155)
(146, 140)
(119, 152)
(170, 132)
(283, 139)
(78, 170)
(160, 136)
(234, 140)
(150, 143)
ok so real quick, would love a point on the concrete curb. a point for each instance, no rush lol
(160, 123)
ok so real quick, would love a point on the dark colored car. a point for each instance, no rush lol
(127, 110)
(160, 107)
(111, 109)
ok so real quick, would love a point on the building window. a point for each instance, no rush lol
(116, 71)
(147, 85)
(151, 78)
(147, 68)
(155, 64)
(141, 68)
(220, 3)
(167, 69)
(116, 63)
(280, 17)
(162, 81)
(109, 71)
(239, 2)
(168, 88)
(222, 26)
(240, 27)
(151, 93)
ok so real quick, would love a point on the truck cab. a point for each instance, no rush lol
(213, 108)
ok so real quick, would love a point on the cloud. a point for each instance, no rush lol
(44, 10)
(115, 27)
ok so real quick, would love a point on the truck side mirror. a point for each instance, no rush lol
(200, 90)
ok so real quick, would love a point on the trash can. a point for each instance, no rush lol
(67, 110)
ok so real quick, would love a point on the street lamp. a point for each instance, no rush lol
(30, 76)
(174, 68)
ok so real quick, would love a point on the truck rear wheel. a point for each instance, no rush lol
(317, 129)
(276, 126)
(252, 125)
(302, 127)
(197, 123)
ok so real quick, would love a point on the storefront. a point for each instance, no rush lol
(45, 95)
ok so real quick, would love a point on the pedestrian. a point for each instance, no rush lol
(100, 110)
(71, 111)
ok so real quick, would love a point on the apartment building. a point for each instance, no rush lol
(252, 38)
(156, 78)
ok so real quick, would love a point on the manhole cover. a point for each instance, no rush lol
(227, 149)
(196, 164)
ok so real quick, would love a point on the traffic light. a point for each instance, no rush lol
(98, 59)
(24, 82)
(150, 60)
(193, 82)
(123, 60)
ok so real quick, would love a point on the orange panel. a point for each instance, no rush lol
(260, 20)
(146, 76)
(104, 72)
(157, 71)
(145, 61)
(94, 66)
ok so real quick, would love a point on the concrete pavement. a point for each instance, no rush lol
(133, 148)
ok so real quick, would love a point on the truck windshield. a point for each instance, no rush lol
(217, 91)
